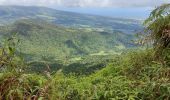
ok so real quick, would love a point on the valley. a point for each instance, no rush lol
(48, 54)
(66, 37)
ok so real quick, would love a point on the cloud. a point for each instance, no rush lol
(86, 3)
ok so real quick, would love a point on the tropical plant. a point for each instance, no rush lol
(158, 27)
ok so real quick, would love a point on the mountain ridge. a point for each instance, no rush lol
(10, 14)
(19, 7)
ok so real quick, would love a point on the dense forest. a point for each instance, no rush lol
(81, 70)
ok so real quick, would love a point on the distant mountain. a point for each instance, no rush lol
(40, 38)
(59, 34)
(9, 14)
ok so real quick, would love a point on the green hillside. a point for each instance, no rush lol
(9, 14)
(44, 61)
(65, 48)
(40, 38)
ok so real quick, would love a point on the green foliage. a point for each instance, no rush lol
(9, 58)
(44, 45)
(14, 84)
(158, 27)
(134, 76)
(40, 38)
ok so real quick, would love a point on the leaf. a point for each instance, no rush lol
(41, 98)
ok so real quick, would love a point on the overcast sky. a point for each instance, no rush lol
(138, 9)
(86, 3)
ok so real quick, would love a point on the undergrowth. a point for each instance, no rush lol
(132, 76)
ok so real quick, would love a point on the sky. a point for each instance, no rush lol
(113, 8)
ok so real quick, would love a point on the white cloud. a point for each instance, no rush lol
(86, 3)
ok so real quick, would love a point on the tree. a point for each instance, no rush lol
(158, 28)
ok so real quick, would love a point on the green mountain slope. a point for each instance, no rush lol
(40, 38)
(71, 38)
(9, 14)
